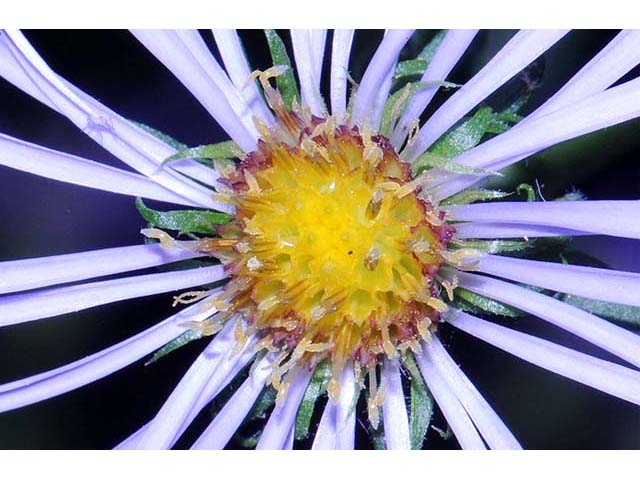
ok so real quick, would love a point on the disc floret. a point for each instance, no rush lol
(333, 251)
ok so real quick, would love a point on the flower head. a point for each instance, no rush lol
(336, 235)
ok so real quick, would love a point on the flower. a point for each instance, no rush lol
(348, 239)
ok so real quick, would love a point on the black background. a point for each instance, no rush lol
(42, 217)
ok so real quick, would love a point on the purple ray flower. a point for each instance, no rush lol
(301, 313)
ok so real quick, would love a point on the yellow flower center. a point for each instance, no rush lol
(332, 253)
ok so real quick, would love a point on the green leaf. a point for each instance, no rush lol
(431, 48)
(180, 341)
(528, 189)
(264, 403)
(422, 405)
(162, 136)
(286, 82)
(475, 195)
(616, 312)
(477, 304)
(414, 68)
(187, 221)
(410, 69)
(465, 136)
(498, 246)
(215, 151)
(317, 386)
(430, 160)
(397, 103)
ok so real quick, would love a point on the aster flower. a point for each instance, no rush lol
(335, 236)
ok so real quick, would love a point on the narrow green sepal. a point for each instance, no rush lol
(422, 405)
(316, 388)
(627, 314)
(180, 341)
(397, 103)
(216, 151)
(474, 195)
(161, 136)
(478, 304)
(286, 82)
(498, 246)
(184, 221)
(430, 160)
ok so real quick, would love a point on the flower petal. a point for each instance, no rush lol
(325, 438)
(25, 307)
(453, 46)
(278, 429)
(229, 419)
(94, 367)
(306, 66)
(394, 409)
(235, 61)
(187, 57)
(161, 432)
(18, 275)
(456, 415)
(373, 80)
(520, 51)
(228, 368)
(599, 283)
(345, 410)
(138, 149)
(606, 217)
(340, 52)
(493, 430)
(608, 377)
(606, 335)
(598, 111)
(613, 62)
(63, 167)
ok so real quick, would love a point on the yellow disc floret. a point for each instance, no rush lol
(332, 253)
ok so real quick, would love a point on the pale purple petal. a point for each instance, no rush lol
(229, 419)
(375, 116)
(374, 76)
(454, 412)
(340, 52)
(493, 430)
(318, 39)
(608, 377)
(25, 307)
(278, 429)
(183, 56)
(325, 438)
(520, 51)
(394, 409)
(63, 167)
(225, 371)
(453, 46)
(156, 149)
(235, 61)
(117, 135)
(606, 217)
(345, 410)
(608, 66)
(306, 68)
(94, 367)
(18, 275)
(598, 111)
(606, 335)
(598, 283)
(165, 427)
(511, 230)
